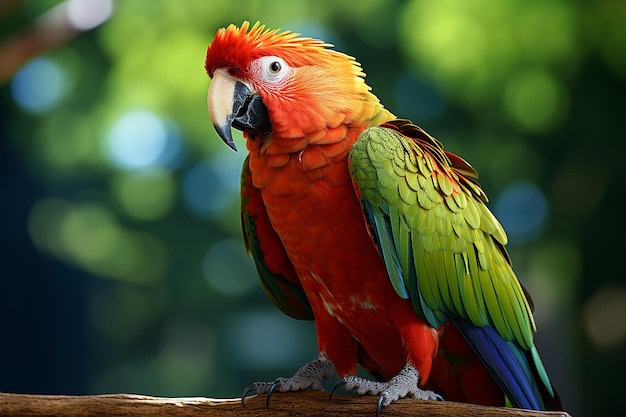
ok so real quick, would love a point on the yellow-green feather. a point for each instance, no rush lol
(441, 230)
(442, 246)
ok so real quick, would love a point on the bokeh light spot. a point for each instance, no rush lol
(64, 140)
(473, 49)
(266, 340)
(141, 139)
(203, 194)
(438, 34)
(88, 235)
(147, 194)
(87, 14)
(554, 270)
(523, 210)
(43, 223)
(603, 317)
(212, 186)
(535, 100)
(228, 269)
(39, 86)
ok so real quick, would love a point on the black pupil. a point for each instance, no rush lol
(275, 66)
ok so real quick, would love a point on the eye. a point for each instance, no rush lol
(273, 68)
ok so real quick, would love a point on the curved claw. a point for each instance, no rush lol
(379, 406)
(275, 385)
(338, 384)
(249, 390)
(439, 397)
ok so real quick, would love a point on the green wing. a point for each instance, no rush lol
(279, 279)
(443, 249)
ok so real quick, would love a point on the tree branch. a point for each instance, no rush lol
(302, 404)
(47, 33)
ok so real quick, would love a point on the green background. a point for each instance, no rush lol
(123, 268)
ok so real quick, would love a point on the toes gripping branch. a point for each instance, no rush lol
(310, 376)
(403, 385)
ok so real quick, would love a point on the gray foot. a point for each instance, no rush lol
(403, 385)
(310, 376)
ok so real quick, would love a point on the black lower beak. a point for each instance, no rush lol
(252, 116)
(248, 114)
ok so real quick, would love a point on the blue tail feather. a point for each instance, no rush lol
(506, 362)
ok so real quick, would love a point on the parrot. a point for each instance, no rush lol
(360, 221)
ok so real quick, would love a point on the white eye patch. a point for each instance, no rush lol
(272, 68)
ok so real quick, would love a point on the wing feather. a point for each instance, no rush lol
(279, 279)
(443, 248)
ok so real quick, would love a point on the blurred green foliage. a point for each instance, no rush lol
(131, 185)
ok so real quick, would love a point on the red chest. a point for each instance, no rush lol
(318, 217)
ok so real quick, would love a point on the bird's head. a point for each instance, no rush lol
(270, 82)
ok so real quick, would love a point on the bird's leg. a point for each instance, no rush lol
(402, 385)
(310, 376)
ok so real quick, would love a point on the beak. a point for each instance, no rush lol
(232, 102)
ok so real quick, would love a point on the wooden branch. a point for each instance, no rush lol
(47, 33)
(305, 404)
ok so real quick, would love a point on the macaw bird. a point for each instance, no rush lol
(365, 224)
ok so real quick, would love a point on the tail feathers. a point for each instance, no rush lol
(506, 362)
(551, 397)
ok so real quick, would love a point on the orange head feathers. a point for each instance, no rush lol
(304, 86)
(238, 47)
